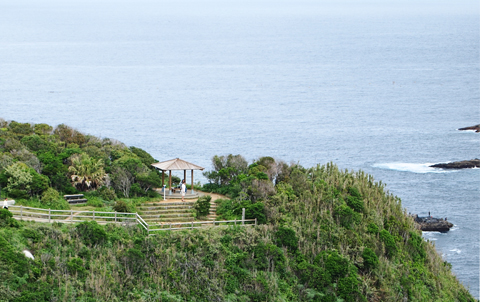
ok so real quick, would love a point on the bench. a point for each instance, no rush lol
(75, 199)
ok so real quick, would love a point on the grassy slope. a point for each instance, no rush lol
(322, 226)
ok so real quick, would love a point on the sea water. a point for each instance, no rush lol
(378, 86)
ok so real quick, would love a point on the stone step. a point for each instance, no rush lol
(151, 216)
(165, 207)
(168, 203)
(167, 211)
(155, 221)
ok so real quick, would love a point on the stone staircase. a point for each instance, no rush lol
(213, 212)
(165, 212)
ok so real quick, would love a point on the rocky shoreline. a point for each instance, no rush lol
(475, 128)
(432, 224)
(465, 164)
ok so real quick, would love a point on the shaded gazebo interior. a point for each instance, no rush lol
(175, 165)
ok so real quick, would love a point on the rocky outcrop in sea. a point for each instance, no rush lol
(433, 224)
(475, 128)
(465, 164)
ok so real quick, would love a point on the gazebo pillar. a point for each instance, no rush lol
(185, 176)
(192, 181)
(170, 181)
(163, 178)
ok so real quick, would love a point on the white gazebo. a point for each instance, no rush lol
(175, 164)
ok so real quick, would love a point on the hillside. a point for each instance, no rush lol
(325, 235)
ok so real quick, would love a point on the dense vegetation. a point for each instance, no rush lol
(326, 235)
(40, 163)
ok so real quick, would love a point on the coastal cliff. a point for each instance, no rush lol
(324, 234)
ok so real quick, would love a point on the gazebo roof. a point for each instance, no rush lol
(176, 164)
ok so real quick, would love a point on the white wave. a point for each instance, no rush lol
(411, 167)
(456, 251)
(431, 236)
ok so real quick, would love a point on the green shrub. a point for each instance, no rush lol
(355, 203)
(336, 265)
(202, 205)
(268, 256)
(32, 234)
(370, 259)
(85, 253)
(136, 190)
(372, 228)
(50, 195)
(417, 245)
(107, 193)
(15, 260)
(347, 216)
(7, 220)
(91, 233)
(286, 237)
(51, 199)
(75, 266)
(348, 288)
(94, 201)
(121, 206)
(389, 241)
(256, 210)
(354, 192)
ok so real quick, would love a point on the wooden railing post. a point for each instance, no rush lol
(115, 216)
(21, 212)
(49, 215)
(255, 221)
(243, 216)
(93, 214)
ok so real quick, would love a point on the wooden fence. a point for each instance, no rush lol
(65, 216)
(71, 216)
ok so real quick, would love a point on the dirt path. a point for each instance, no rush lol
(215, 196)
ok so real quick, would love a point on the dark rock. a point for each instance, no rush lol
(465, 164)
(475, 128)
(433, 224)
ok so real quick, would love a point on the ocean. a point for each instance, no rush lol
(377, 86)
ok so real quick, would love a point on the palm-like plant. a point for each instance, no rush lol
(86, 172)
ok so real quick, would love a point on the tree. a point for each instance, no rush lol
(122, 180)
(23, 181)
(5, 160)
(43, 129)
(86, 172)
(20, 129)
(69, 135)
(226, 168)
(148, 180)
(28, 158)
(146, 158)
(19, 179)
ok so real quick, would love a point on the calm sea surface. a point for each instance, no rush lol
(378, 86)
